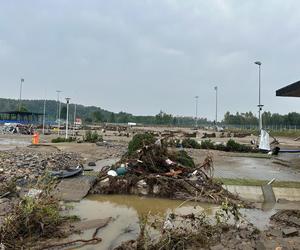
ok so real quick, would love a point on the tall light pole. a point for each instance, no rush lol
(259, 96)
(67, 119)
(216, 119)
(20, 99)
(74, 124)
(44, 115)
(196, 121)
(58, 111)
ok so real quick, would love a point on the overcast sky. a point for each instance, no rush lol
(143, 56)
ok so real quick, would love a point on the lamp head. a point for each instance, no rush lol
(258, 63)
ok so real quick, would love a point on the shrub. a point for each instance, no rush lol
(140, 140)
(207, 144)
(62, 139)
(92, 137)
(233, 146)
(221, 147)
(190, 143)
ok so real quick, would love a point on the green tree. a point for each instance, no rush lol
(23, 108)
(112, 118)
(63, 113)
(97, 115)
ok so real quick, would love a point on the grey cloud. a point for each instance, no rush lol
(141, 56)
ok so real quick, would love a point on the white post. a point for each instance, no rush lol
(44, 116)
(196, 122)
(67, 118)
(74, 124)
(59, 110)
(20, 100)
(216, 89)
(259, 95)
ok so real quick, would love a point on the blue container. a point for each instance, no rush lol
(121, 170)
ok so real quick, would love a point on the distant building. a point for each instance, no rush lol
(78, 122)
(21, 117)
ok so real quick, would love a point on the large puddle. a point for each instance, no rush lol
(126, 210)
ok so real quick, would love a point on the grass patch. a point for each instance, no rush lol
(62, 139)
(252, 155)
(286, 133)
(253, 182)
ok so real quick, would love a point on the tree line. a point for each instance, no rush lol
(93, 114)
(248, 118)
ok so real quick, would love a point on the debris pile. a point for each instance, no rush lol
(33, 217)
(151, 168)
(16, 128)
(290, 218)
(194, 231)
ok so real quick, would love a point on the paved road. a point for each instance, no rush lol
(253, 168)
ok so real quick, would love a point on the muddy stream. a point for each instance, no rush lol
(126, 210)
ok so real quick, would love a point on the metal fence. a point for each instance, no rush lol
(273, 127)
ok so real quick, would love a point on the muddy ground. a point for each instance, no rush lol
(226, 164)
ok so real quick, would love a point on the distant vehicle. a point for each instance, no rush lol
(131, 124)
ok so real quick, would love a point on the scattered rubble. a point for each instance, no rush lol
(287, 218)
(16, 128)
(23, 165)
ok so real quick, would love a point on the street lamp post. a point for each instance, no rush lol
(20, 100)
(67, 118)
(216, 119)
(259, 96)
(58, 111)
(44, 116)
(74, 124)
(196, 121)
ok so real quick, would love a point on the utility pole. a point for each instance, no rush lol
(216, 119)
(20, 99)
(58, 111)
(196, 121)
(67, 119)
(44, 115)
(259, 96)
(74, 119)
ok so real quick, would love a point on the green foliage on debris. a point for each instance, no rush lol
(33, 218)
(227, 211)
(92, 136)
(140, 140)
(183, 158)
(62, 139)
